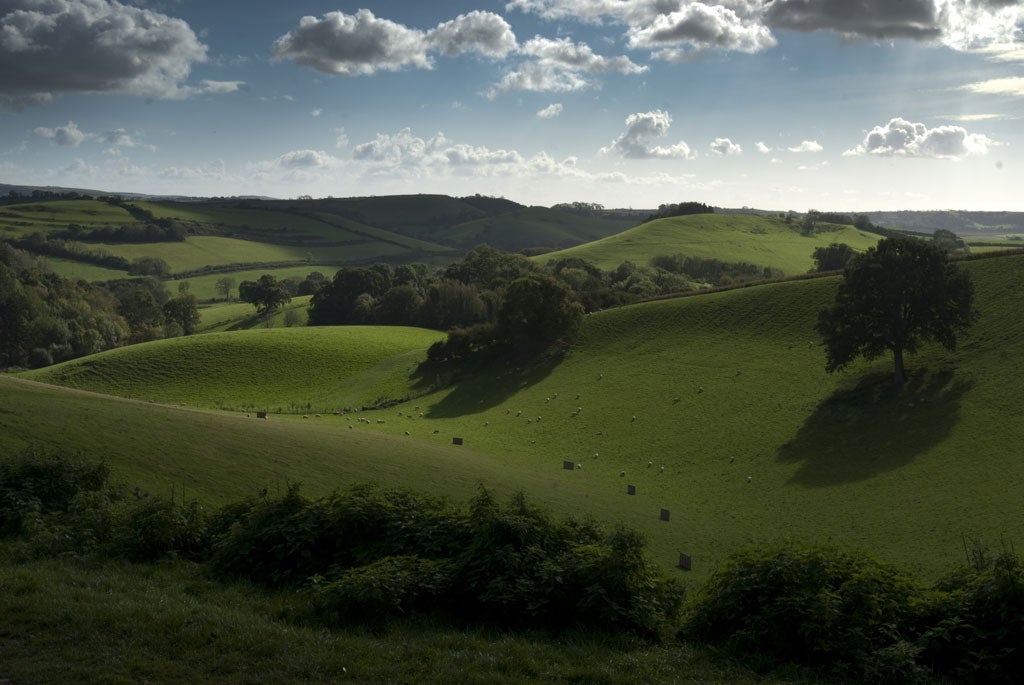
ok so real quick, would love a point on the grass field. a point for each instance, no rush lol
(723, 386)
(80, 270)
(20, 220)
(764, 241)
(232, 316)
(537, 226)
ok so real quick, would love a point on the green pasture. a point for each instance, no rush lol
(232, 316)
(738, 430)
(764, 241)
(537, 226)
(197, 252)
(383, 234)
(18, 221)
(68, 268)
(204, 287)
(323, 369)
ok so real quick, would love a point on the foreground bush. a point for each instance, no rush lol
(819, 607)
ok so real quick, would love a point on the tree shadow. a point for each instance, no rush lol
(874, 427)
(481, 382)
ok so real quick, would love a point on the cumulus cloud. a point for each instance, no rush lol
(723, 147)
(119, 138)
(551, 111)
(764, 149)
(698, 27)
(746, 25)
(485, 33)
(52, 46)
(404, 150)
(305, 159)
(362, 43)
(807, 146)
(315, 112)
(901, 138)
(560, 65)
(68, 135)
(1013, 85)
(353, 44)
(211, 171)
(641, 128)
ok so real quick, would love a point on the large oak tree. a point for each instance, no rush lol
(893, 297)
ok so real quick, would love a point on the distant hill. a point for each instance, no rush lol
(765, 241)
(963, 223)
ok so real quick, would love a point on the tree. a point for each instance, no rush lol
(224, 286)
(266, 294)
(184, 311)
(835, 256)
(537, 312)
(893, 297)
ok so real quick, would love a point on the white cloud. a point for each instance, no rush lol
(305, 159)
(68, 135)
(213, 171)
(723, 147)
(698, 27)
(975, 117)
(484, 33)
(315, 112)
(560, 65)
(405, 151)
(764, 149)
(902, 138)
(746, 25)
(807, 146)
(641, 128)
(52, 46)
(1013, 86)
(551, 111)
(353, 44)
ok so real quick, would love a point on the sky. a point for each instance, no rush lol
(841, 105)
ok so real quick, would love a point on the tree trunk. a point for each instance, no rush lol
(897, 358)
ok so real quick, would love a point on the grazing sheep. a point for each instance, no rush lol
(650, 464)
(577, 395)
(622, 473)
(519, 413)
(600, 376)
(529, 420)
(538, 418)
(380, 420)
(750, 478)
(318, 416)
(436, 431)
(554, 395)
(732, 459)
(675, 400)
(574, 414)
(595, 455)
(350, 427)
(633, 419)
(407, 432)
(305, 416)
(487, 423)
(507, 412)
(661, 470)
(579, 466)
(700, 389)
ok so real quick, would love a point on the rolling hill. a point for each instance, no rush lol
(760, 240)
(715, 407)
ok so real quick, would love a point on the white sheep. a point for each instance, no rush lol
(595, 455)
(750, 478)
(487, 423)
(519, 413)
(650, 464)
(633, 419)
(622, 473)
(661, 470)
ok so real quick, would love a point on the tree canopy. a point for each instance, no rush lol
(266, 294)
(893, 297)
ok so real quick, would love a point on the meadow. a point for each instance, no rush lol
(766, 241)
(715, 407)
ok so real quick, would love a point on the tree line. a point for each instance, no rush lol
(45, 318)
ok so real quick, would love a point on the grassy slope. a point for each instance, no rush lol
(536, 226)
(765, 241)
(724, 386)
(81, 270)
(234, 316)
(18, 221)
(270, 369)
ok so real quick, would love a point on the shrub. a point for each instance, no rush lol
(40, 482)
(819, 607)
(979, 634)
(386, 588)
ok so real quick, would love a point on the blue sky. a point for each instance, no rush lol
(850, 105)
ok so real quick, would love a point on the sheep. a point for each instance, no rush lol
(436, 431)
(305, 416)
(700, 389)
(407, 432)
(633, 419)
(579, 466)
(595, 455)
(650, 464)
(600, 376)
(554, 395)
(487, 423)
(529, 420)
(577, 395)
(599, 433)
(350, 427)
(750, 478)
(380, 420)
(622, 473)
(661, 470)
(574, 414)
(519, 413)
(318, 416)
(507, 412)
(732, 459)
(539, 418)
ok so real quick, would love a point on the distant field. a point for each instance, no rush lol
(538, 226)
(764, 241)
(197, 252)
(82, 270)
(224, 316)
(723, 387)
(204, 287)
(18, 221)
